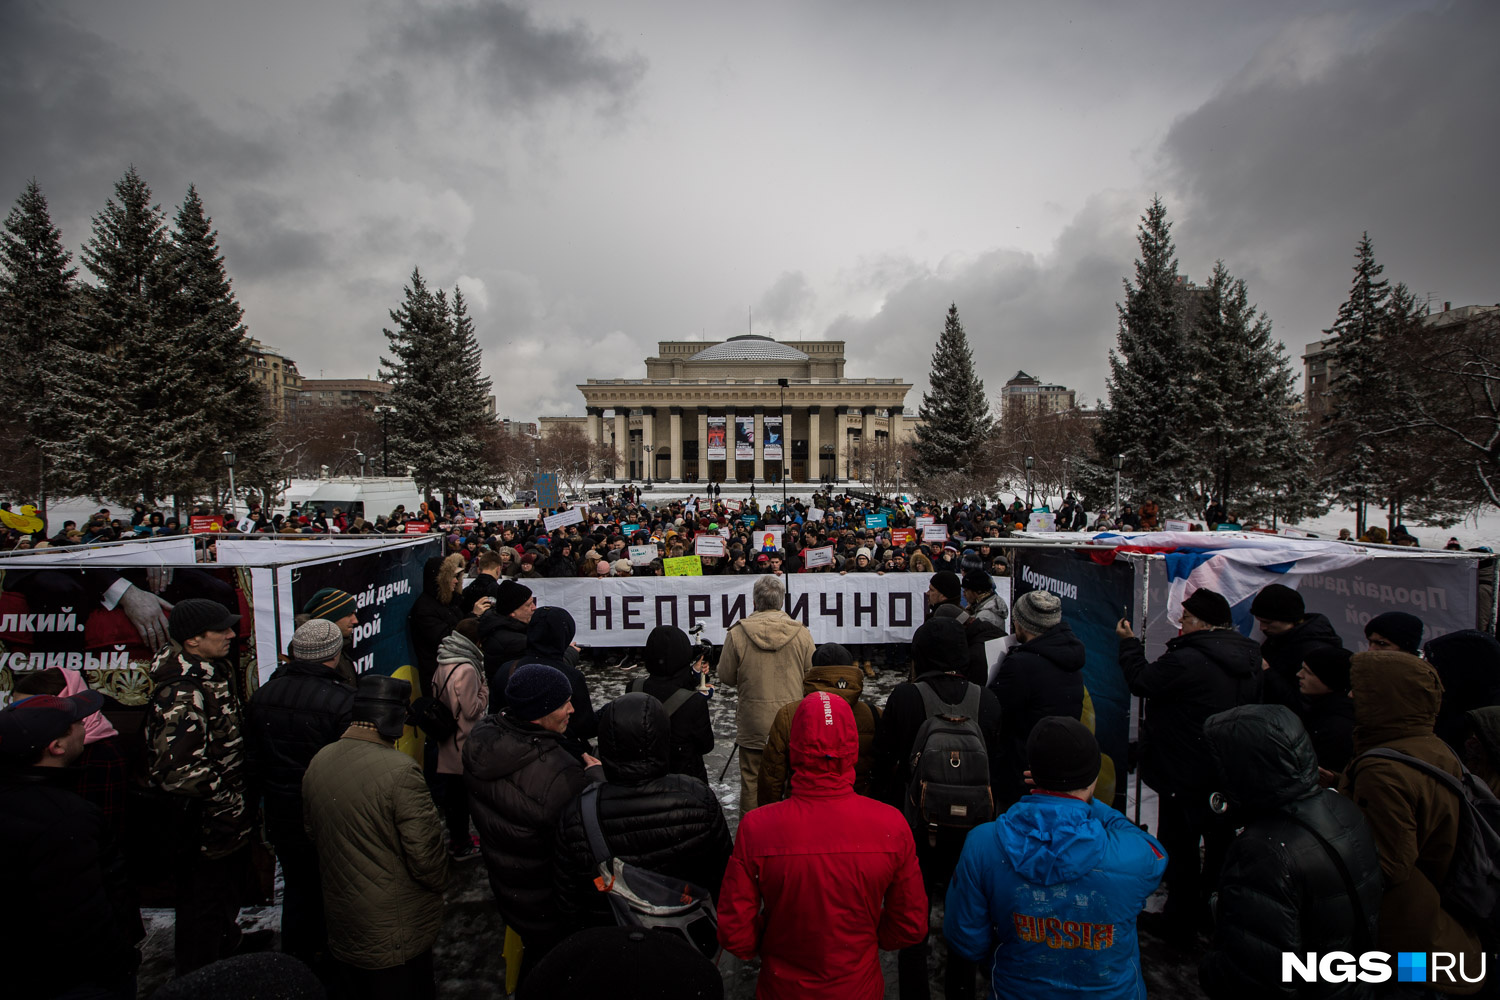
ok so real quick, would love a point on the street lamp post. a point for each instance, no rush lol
(385, 443)
(1065, 479)
(361, 458)
(1119, 464)
(648, 449)
(229, 461)
(1030, 462)
(898, 479)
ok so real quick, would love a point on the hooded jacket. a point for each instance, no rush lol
(549, 638)
(1286, 652)
(1201, 674)
(848, 683)
(430, 620)
(666, 823)
(1279, 890)
(1049, 893)
(1036, 679)
(380, 850)
(669, 666)
(766, 656)
(820, 883)
(1415, 819)
(520, 776)
(1468, 664)
(461, 685)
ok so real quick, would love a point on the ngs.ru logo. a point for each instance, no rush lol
(1375, 967)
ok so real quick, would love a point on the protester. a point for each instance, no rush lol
(1049, 893)
(1395, 631)
(1041, 677)
(833, 670)
(666, 823)
(520, 776)
(488, 566)
(1324, 685)
(1283, 885)
(380, 847)
(766, 655)
(438, 608)
(983, 603)
(549, 640)
(305, 706)
(944, 588)
(1290, 633)
(589, 964)
(1468, 665)
(1207, 669)
(196, 753)
(459, 684)
(1481, 746)
(70, 925)
(822, 882)
(502, 628)
(673, 664)
(1415, 818)
(337, 606)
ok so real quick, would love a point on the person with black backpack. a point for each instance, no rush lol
(675, 670)
(936, 756)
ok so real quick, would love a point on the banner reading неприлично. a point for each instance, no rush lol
(622, 611)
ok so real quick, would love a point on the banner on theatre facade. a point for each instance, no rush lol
(862, 608)
(771, 446)
(716, 451)
(744, 438)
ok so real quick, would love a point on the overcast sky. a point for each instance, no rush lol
(601, 175)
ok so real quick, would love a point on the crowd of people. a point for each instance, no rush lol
(1302, 803)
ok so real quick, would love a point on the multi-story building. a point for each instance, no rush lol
(362, 392)
(276, 374)
(1025, 395)
(516, 428)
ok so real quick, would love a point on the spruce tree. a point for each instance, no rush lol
(37, 323)
(955, 413)
(1150, 415)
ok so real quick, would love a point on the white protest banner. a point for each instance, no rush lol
(708, 545)
(641, 555)
(1041, 520)
(924, 522)
(1294, 533)
(815, 514)
(813, 558)
(1172, 524)
(622, 611)
(563, 518)
(934, 532)
(513, 514)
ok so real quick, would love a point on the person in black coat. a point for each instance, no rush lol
(1280, 889)
(438, 608)
(667, 823)
(1209, 668)
(1324, 680)
(305, 706)
(502, 633)
(1042, 676)
(673, 664)
(1290, 634)
(977, 632)
(1468, 664)
(549, 640)
(69, 921)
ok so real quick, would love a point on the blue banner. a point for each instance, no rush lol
(875, 520)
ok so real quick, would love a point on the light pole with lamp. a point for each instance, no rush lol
(898, 479)
(1030, 462)
(1119, 464)
(361, 458)
(229, 461)
(1065, 479)
(385, 442)
(782, 383)
(648, 449)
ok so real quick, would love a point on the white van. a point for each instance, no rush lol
(370, 497)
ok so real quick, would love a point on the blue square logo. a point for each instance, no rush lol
(1411, 967)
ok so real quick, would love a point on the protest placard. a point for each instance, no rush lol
(683, 566)
(198, 524)
(768, 538)
(417, 527)
(1173, 524)
(875, 521)
(902, 536)
(641, 555)
(935, 533)
(562, 519)
(815, 514)
(923, 522)
(709, 545)
(1041, 520)
(822, 556)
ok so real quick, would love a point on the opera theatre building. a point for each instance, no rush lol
(746, 410)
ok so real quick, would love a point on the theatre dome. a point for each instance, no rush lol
(749, 347)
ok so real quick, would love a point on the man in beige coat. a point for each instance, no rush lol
(380, 850)
(765, 656)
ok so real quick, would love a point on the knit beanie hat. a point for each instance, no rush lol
(1062, 754)
(1401, 628)
(623, 567)
(862, 551)
(978, 581)
(317, 640)
(831, 654)
(511, 596)
(330, 603)
(197, 615)
(536, 690)
(1209, 607)
(1330, 664)
(1036, 611)
(1278, 603)
(945, 582)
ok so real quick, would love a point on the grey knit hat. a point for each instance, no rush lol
(1036, 611)
(316, 641)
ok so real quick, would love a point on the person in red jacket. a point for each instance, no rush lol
(821, 882)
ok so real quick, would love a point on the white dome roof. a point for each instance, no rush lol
(749, 347)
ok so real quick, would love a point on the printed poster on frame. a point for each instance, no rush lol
(771, 445)
(744, 438)
(716, 451)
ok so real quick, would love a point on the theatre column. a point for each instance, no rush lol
(675, 429)
(648, 443)
(702, 445)
(867, 452)
(595, 432)
(731, 431)
(759, 439)
(814, 445)
(622, 444)
(840, 444)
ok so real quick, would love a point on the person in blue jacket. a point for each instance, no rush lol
(1050, 890)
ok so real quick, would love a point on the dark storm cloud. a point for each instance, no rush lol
(76, 114)
(268, 240)
(1399, 135)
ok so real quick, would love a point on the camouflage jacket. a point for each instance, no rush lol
(195, 748)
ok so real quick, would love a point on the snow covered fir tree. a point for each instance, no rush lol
(955, 413)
